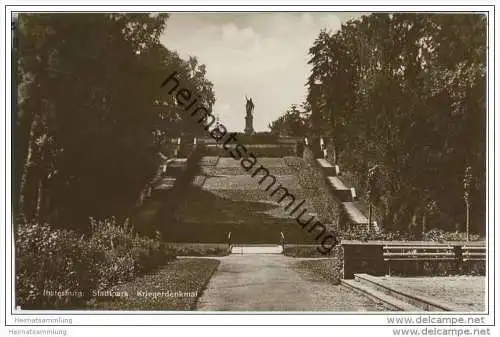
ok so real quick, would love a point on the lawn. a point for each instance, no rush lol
(299, 250)
(176, 286)
(322, 269)
(197, 249)
(209, 215)
(233, 203)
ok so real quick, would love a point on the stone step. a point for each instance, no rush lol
(422, 302)
(354, 214)
(327, 168)
(165, 183)
(342, 192)
(209, 161)
(174, 166)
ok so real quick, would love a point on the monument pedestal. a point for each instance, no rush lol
(249, 125)
(249, 131)
(249, 118)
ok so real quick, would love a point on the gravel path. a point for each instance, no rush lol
(275, 283)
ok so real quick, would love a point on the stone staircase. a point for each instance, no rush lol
(226, 198)
(346, 196)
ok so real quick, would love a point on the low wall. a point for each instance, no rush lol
(258, 150)
(362, 258)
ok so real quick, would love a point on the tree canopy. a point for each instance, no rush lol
(92, 115)
(293, 123)
(407, 92)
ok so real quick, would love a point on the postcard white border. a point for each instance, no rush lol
(220, 318)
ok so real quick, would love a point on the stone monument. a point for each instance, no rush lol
(249, 117)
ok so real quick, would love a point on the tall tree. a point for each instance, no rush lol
(88, 124)
(293, 123)
(407, 91)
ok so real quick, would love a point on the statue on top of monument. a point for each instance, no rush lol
(250, 106)
(249, 117)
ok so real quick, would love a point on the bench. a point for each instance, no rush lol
(417, 253)
(473, 253)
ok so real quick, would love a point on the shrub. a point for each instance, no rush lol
(359, 232)
(440, 235)
(50, 261)
(149, 253)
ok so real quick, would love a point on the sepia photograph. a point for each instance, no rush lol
(250, 162)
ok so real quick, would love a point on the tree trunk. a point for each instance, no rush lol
(369, 216)
(334, 152)
(413, 223)
(467, 223)
(424, 225)
(28, 164)
(39, 202)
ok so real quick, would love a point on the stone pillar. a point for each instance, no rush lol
(249, 124)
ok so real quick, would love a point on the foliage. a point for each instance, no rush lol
(293, 123)
(361, 233)
(92, 115)
(468, 181)
(435, 234)
(407, 91)
(59, 260)
(52, 260)
(440, 235)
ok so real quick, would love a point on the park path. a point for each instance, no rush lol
(272, 282)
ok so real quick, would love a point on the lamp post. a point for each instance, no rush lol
(372, 191)
(467, 197)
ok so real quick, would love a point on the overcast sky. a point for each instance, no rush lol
(261, 55)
